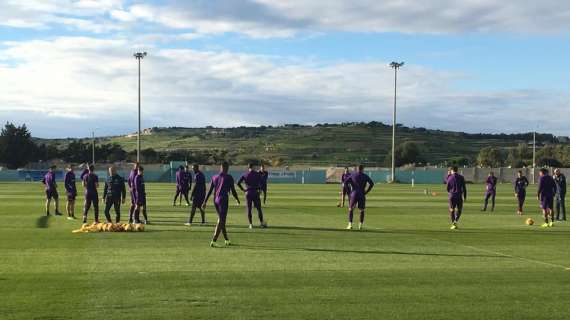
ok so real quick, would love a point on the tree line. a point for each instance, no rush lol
(18, 148)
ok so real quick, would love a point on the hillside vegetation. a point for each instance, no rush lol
(323, 144)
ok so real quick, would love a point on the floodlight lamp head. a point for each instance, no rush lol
(396, 65)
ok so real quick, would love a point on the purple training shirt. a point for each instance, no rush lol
(546, 186)
(223, 183)
(456, 186)
(49, 181)
(358, 181)
(252, 181)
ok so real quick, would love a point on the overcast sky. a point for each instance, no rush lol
(66, 67)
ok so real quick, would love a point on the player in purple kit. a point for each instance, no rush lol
(344, 187)
(252, 188)
(198, 195)
(264, 177)
(358, 182)
(85, 171)
(51, 190)
(521, 182)
(490, 191)
(71, 191)
(140, 196)
(91, 183)
(222, 184)
(187, 184)
(181, 185)
(457, 195)
(545, 195)
(131, 183)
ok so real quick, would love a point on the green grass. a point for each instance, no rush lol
(406, 265)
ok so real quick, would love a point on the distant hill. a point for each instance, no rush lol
(322, 144)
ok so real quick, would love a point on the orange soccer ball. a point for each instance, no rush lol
(529, 222)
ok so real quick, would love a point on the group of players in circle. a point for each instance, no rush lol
(550, 188)
(252, 183)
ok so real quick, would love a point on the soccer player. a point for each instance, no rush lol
(545, 195)
(140, 196)
(91, 183)
(187, 184)
(490, 191)
(71, 191)
(131, 183)
(85, 167)
(223, 184)
(344, 187)
(252, 188)
(457, 191)
(521, 182)
(198, 195)
(560, 181)
(114, 193)
(51, 190)
(264, 177)
(181, 185)
(358, 182)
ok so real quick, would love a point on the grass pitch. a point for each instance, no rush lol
(407, 264)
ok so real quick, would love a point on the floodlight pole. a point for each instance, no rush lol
(395, 66)
(93, 147)
(139, 56)
(533, 155)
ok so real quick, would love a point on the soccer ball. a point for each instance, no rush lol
(139, 227)
(529, 222)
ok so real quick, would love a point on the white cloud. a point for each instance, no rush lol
(53, 84)
(268, 18)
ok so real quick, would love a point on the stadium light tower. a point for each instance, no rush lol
(139, 56)
(93, 145)
(533, 155)
(396, 66)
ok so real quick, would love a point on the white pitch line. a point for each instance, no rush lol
(496, 253)
(505, 255)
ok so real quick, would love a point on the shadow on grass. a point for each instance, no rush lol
(322, 229)
(42, 222)
(375, 252)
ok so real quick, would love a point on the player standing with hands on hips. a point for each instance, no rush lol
(358, 182)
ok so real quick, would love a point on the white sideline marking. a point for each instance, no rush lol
(496, 253)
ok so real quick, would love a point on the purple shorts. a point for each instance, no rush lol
(52, 194)
(456, 203)
(94, 197)
(141, 201)
(252, 200)
(198, 199)
(547, 202)
(71, 196)
(346, 190)
(357, 200)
